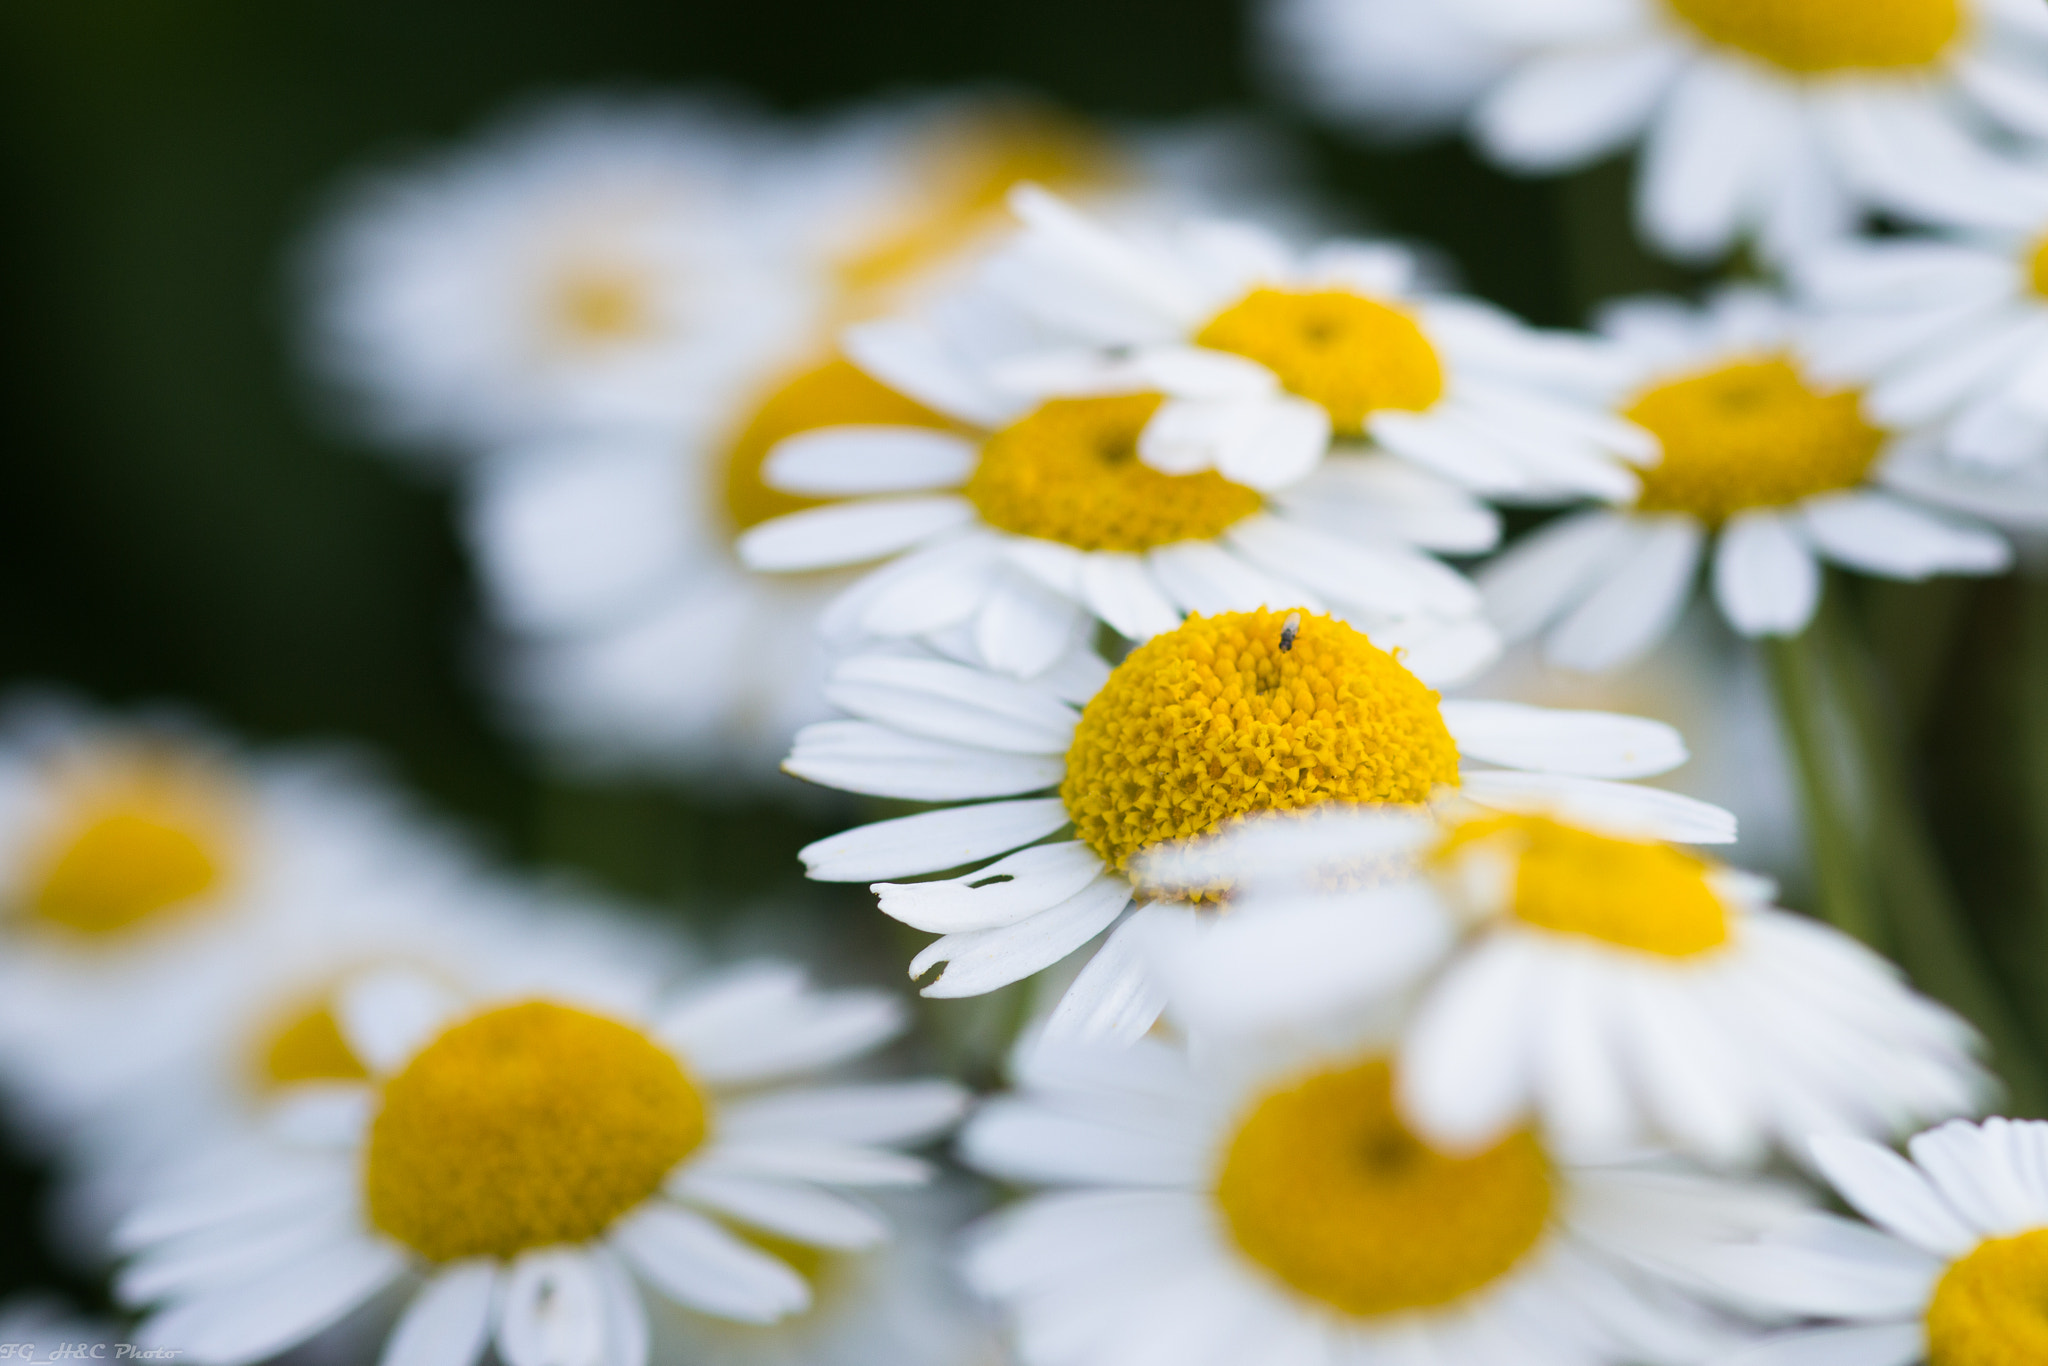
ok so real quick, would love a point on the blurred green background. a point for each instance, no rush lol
(176, 524)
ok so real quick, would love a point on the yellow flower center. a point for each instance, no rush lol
(1643, 896)
(1750, 434)
(967, 172)
(836, 393)
(2037, 267)
(598, 305)
(307, 1045)
(1351, 354)
(1817, 37)
(1326, 1188)
(1215, 720)
(1991, 1307)
(1069, 472)
(144, 838)
(527, 1126)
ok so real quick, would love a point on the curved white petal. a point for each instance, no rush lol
(1591, 744)
(840, 462)
(1765, 578)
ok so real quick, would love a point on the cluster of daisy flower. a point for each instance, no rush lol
(1138, 553)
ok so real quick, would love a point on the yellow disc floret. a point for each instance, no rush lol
(1069, 472)
(1327, 1189)
(1634, 894)
(307, 1045)
(142, 836)
(2037, 267)
(527, 1126)
(1750, 434)
(1353, 355)
(1215, 720)
(1991, 1307)
(834, 394)
(1817, 37)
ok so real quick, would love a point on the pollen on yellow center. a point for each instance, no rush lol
(834, 393)
(1353, 355)
(1327, 1189)
(1069, 471)
(1991, 1307)
(597, 305)
(1818, 37)
(527, 1126)
(142, 837)
(1214, 720)
(1750, 434)
(1634, 894)
(307, 1045)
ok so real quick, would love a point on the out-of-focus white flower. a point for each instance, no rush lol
(528, 1167)
(1245, 1204)
(1622, 992)
(1778, 119)
(1949, 333)
(1779, 469)
(1221, 717)
(1951, 1272)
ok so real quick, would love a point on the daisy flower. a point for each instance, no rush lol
(630, 634)
(1950, 1273)
(1218, 718)
(518, 1169)
(1146, 432)
(1622, 991)
(1777, 467)
(1273, 1206)
(1778, 119)
(1949, 332)
(584, 265)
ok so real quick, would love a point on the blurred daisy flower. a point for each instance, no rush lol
(1778, 119)
(1947, 332)
(523, 1166)
(1776, 467)
(1621, 991)
(1948, 1270)
(1219, 718)
(1272, 1205)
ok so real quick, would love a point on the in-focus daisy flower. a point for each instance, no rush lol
(523, 1167)
(1146, 432)
(1623, 992)
(1236, 1206)
(631, 635)
(1219, 718)
(1773, 118)
(1776, 467)
(1949, 332)
(1950, 1275)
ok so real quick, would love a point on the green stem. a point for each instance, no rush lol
(1935, 942)
(2033, 756)
(1799, 680)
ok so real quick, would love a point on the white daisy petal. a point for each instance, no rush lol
(551, 1311)
(830, 1164)
(949, 702)
(1466, 1069)
(1569, 109)
(1590, 744)
(912, 358)
(1023, 629)
(272, 1311)
(1880, 534)
(1028, 1143)
(1765, 579)
(1872, 1344)
(1532, 582)
(1702, 165)
(1643, 594)
(893, 1112)
(1393, 581)
(850, 533)
(1115, 996)
(1624, 809)
(1201, 576)
(931, 840)
(804, 1213)
(840, 462)
(1120, 591)
(448, 1322)
(858, 756)
(1890, 1192)
(387, 1014)
(1003, 893)
(696, 1263)
(626, 1331)
(979, 961)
